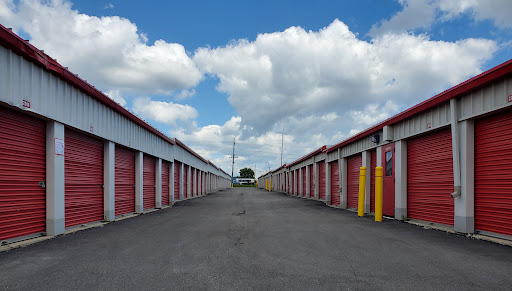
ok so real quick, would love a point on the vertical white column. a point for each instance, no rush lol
(182, 182)
(207, 177)
(400, 179)
(344, 183)
(171, 181)
(158, 180)
(308, 182)
(301, 191)
(139, 174)
(109, 180)
(294, 184)
(340, 166)
(201, 184)
(55, 199)
(464, 220)
(379, 156)
(195, 194)
(327, 182)
(287, 182)
(189, 181)
(367, 162)
(205, 183)
(316, 180)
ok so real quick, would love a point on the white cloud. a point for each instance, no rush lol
(116, 96)
(109, 6)
(417, 14)
(184, 94)
(163, 112)
(6, 9)
(287, 77)
(496, 10)
(373, 113)
(110, 52)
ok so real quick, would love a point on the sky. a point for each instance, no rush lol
(275, 76)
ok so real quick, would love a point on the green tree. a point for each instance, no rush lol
(246, 173)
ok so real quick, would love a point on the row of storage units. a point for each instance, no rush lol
(71, 156)
(447, 161)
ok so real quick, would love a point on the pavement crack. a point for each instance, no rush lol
(239, 213)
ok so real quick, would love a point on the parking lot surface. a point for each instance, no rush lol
(250, 239)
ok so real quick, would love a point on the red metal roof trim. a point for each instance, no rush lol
(307, 156)
(485, 78)
(26, 50)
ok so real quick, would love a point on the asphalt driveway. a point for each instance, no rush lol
(250, 239)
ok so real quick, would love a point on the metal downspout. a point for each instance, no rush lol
(455, 149)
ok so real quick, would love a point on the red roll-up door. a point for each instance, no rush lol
(321, 180)
(125, 181)
(311, 181)
(149, 182)
(165, 183)
(354, 164)
(22, 167)
(304, 182)
(373, 164)
(335, 183)
(185, 181)
(177, 166)
(493, 174)
(430, 178)
(83, 172)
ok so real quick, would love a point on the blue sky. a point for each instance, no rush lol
(310, 73)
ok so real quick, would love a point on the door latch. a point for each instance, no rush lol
(42, 184)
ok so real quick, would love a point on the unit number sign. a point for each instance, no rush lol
(59, 146)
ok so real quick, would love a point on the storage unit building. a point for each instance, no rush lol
(70, 154)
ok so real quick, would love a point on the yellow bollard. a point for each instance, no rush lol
(362, 182)
(270, 185)
(266, 184)
(378, 193)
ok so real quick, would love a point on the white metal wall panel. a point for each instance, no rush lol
(332, 156)
(486, 99)
(432, 119)
(186, 157)
(53, 98)
(359, 145)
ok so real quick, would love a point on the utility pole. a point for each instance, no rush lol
(233, 167)
(282, 133)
